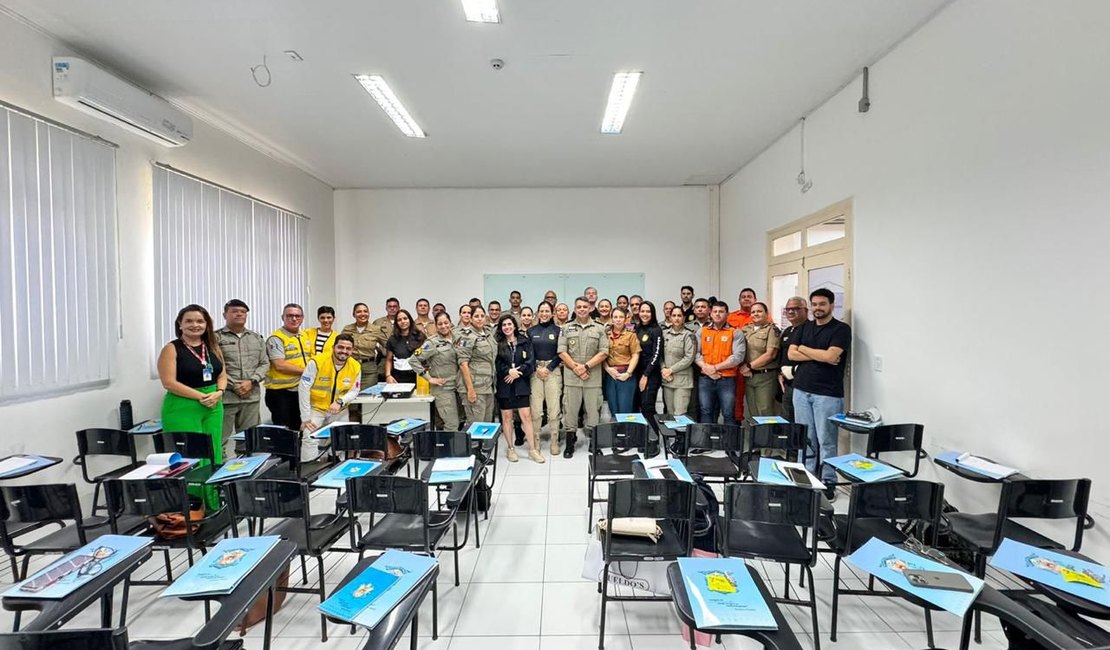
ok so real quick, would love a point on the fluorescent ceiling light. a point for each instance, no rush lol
(620, 100)
(481, 11)
(381, 92)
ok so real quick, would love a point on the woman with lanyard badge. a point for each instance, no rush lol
(405, 340)
(437, 362)
(620, 365)
(647, 372)
(515, 365)
(547, 381)
(761, 366)
(191, 368)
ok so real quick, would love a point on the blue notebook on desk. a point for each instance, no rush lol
(655, 468)
(483, 430)
(238, 468)
(723, 595)
(452, 470)
(336, 478)
(149, 426)
(841, 420)
(887, 563)
(865, 470)
(73, 570)
(324, 432)
(1077, 577)
(638, 418)
(23, 464)
(408, 424)
(769, 419)
(406, 569)
(373, 391)
(977, 465)
(679, 422)
(221, 570)
(773, 472)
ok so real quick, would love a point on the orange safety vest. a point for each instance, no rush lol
(716, 346)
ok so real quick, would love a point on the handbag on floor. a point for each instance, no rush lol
(256, 613)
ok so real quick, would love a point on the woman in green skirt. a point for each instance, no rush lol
(191, 368)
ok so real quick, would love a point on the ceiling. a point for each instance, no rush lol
(722, 79)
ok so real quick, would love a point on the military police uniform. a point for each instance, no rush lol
(437, 359)
(582, 343)
(478, 350)
(368, 343)
(244, 359)
(679, 350)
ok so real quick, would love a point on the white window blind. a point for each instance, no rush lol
(58, 291)
(212, 244)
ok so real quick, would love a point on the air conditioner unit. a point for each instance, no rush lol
(87, 88)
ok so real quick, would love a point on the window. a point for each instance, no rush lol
(212, 244)
(58, 291)
(822, 259)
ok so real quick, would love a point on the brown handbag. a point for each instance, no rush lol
(257, 611)
(171, 525)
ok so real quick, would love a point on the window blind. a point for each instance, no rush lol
(58, 288)
(212, 244)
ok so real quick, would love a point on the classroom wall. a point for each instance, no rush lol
(979, 181)
(47, 425)
(438, 243)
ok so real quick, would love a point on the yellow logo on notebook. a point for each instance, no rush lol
(720, 582)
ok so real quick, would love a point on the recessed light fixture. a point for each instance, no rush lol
(381, 92)
(481, 11)
(620, 100)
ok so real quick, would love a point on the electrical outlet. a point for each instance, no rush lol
(877, 363)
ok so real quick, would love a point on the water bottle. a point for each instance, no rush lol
(126, 420)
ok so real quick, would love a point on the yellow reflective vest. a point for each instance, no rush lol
(332, 383)
(298, 350)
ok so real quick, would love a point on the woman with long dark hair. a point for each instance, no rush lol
(191, 368)
(648, 374)
(515, 365)
(620, 365)
(406, 339)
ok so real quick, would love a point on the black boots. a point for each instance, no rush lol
(572, 437)
(518, 439)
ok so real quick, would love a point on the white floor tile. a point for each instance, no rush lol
(563, 563)
(568, 503)
(866, 641)
(584, 642)
(567, 529)
(525, 484)
(501, 609)
(516, 530)
(575, 608)
(918, 640)
(651, 618)
(498, 642)
(520, 505)
(516, 563)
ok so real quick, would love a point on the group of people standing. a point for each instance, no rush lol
(532, 363)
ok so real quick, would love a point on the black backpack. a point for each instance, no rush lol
(481, 493)
(705, 517)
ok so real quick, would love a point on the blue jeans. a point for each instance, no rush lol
(717, 396)
(814, 412)
(619, 394)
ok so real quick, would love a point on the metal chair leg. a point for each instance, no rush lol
(813, 608)
(304, 571)
(604, 600)
(929, 628)
(835, 598)
(435, 611)
(323, 595)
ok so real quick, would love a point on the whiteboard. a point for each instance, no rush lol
(568, 286)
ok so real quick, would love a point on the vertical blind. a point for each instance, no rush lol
(212, 244)
(58, 287)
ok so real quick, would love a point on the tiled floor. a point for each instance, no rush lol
(523, 590)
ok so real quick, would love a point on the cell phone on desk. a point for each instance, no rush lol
(799, 476)
(667, 472)
(937, 580)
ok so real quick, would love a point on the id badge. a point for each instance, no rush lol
(207, 375)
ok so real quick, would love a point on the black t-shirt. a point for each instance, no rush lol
(787, 338)
(817, 377)
(190, 371)
(688, 313)
(402, 347)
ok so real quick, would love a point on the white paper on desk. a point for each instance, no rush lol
(1001, 471)
(453, 464)
(15, 463)
(154, 463)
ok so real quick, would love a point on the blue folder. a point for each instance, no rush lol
(350, 601)
(675, 466)
(483, 430)
(1080, 578)
(863, 469)
(73, 570)
(843, 421)
(336, 478)
(149, 426)
(954, 458)
(408, 424)
(723, 595)
(238, 468)
(373, 391)
(769, 419)
(37, 462)
(770, 472)
(678, 422)
(407, 568)
(638, 418)
(222, 569)
(887, 562)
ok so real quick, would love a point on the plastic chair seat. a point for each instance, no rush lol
(323, 530)
(864, 530)
(180, 644)
(978, 530)
(670, 545)
(611, 465)
(406, 531)
(769, 541)
(711, 466)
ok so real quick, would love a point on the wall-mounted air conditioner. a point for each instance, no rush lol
(92, 90)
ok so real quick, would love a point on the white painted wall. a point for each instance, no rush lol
(979, 180)
(47, 426)
(438, 243)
